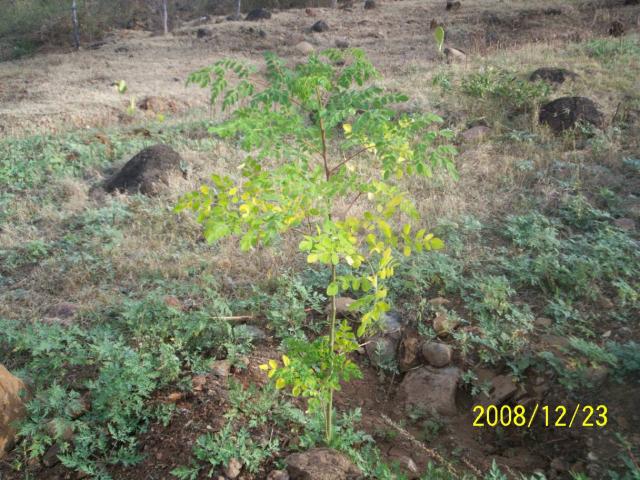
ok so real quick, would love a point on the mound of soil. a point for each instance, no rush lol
(564, 113)
(553, 75)
(149, 172)
(321, 464)
(11, 407)
(258, 14)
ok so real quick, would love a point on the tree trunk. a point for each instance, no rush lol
(238, 9)
(165, 17)
(74, 20)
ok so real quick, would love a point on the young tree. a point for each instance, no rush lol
(74, 21)
(165, 17)
(320, 140)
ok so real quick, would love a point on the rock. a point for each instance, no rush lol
(405, 462)
(437, 354)
(616, 29)
(430, 389)
(552, 11)
(321, 464)
(320, 26)
(174, 397)
(220, 369)
(625, 224)
(278, 475)
(342, 307)
(198, 383)
(543, 322)
(370, 4)
(453, 5)
(342, 43)
(596, 376)
(563, 113)
(173, 302)
(475, 134)
(453, 55)
(149, 172)
(502, 388)
(552, 75)
(158, 105)
(305, 48)
(12, 407)
(439, 301)
(203, 32)
(256, 334)
(50, 458)
(381, 351)
(408, 352)
(233, 469)
(258, 14)
(443, 324)
(392, 324)
(310, 13)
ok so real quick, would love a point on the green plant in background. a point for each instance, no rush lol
(438, 34)
(320, 139)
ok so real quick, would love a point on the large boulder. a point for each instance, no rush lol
(430, 389)
(151, 171)
(321, 464)
(564, 113)
(12, 407)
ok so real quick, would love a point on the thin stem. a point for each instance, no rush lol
(332, 342)
(327, 172)
(350, 157)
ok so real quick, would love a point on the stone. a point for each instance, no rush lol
(437, 354)
(552, 75)
(320, 26)
(381, 351)
(198, 383)
(502, 388)
(616, 29)
(370, 4)
(258, 14)
(220, 369)
(405, 462)
(454, 54)
(543, 322)
(203, 32)
(625, 224)
(453, 5)
(342, 307)
(233, 468)
(439, 301)
(342, 43)
(157, 105)
(565, 112)
(392, 324)
(321, 464)
(305, 48)
(475, 134)
(278, 475)
(50, 458)
(430, 389)
(255, 333)
(443, 324)
(408, 351)
(12, 407)
(149, 172)
(597, 376)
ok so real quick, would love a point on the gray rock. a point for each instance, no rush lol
(320, 26)
(321, 464)
(430, 389)
(381, 350)
(437, 354)
(255, 333)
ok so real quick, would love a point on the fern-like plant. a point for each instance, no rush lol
(321, 139)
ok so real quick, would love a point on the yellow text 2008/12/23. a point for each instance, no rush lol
(587, 416)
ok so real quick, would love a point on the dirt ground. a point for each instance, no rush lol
(57, 91)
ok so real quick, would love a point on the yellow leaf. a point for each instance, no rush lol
(204, 189)
(271, 373)
(347, 128)
(273, 364)
(264, 367)
(296, 390)
(280, 383)
(286, 360)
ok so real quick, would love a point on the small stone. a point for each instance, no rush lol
(616, 29)
(405, 462)
(454, 54)
(50, 458)
(258, 14)
(625, 224)
(409, 348)
(475, 134)
(503, 387)
(342, 306)
(256, 334)
(453, 5)
(203, 32)
(543, 322)
(342, 43)
(437, 354)
(552, 75)
(439, 301)
(443, 324)
(381, 351)
(596, 376)
(173, 302)
(174, 397)
(320, 26)
(233, 469)
(305, 48)
(221, 368)
(370, 4)
(278, 475)
(198, 382)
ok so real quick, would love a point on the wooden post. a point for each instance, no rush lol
(76, 28)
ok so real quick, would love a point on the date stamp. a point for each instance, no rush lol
(559, 416)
